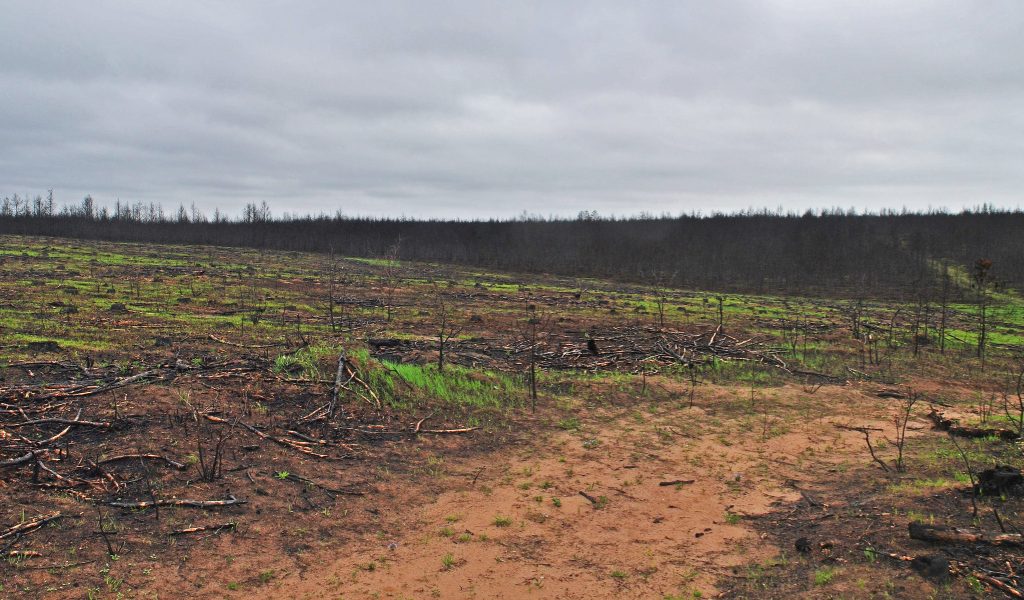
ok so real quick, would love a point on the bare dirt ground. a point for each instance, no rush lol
(514, 523)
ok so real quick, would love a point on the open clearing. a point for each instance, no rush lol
(682, 444)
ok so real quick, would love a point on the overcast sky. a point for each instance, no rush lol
(478, 109)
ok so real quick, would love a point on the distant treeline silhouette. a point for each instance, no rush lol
(827, 252)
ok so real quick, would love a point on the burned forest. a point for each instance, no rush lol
(183, 418)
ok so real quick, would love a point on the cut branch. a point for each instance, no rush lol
(177, 465)
(71, 422)
(276, 440)
(184, 502)
(213, 528)
(23, 528)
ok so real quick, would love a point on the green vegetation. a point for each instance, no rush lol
(824, 576)
(305, 361)
(401, 385)
(447, 561)
(569, 423)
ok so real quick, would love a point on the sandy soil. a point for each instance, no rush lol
(514, 524)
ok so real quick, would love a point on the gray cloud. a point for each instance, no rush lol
(489, 109)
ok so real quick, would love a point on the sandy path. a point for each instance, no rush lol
(514, 524)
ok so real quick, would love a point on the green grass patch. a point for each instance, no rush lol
(402, 385)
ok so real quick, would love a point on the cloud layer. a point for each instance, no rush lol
(478, 109)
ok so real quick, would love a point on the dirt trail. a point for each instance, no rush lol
(515, 525)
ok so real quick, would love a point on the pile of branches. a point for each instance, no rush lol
(49, 438)
(76, 381)
(801, 325)
(39, 422)
(632, 349)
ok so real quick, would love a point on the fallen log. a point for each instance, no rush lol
(664, 346)
(327, 490)
(446, 431)
(83, 391)
(891, 394)
(419, 423)
(953, 427)
(177, 465)
(182, 502)
(276, 440)
(962, 535)
(675, 482)
(823, 376)
(202, 528)
(386, 342)
(23, 528)
(247, 346)
(60, 434)
(58, 421)
(20, 460)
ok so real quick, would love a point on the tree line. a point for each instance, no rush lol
(826, 252)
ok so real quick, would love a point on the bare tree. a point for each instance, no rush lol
(696, 378)
(982, 282)
(922, 308)
(661, 295)
(532, 327)
(1018, 390)
(332, 289)
(389, 278)
(445, 322)
(890, 340)
(855, 312)
(944, 301)
(901, 419)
